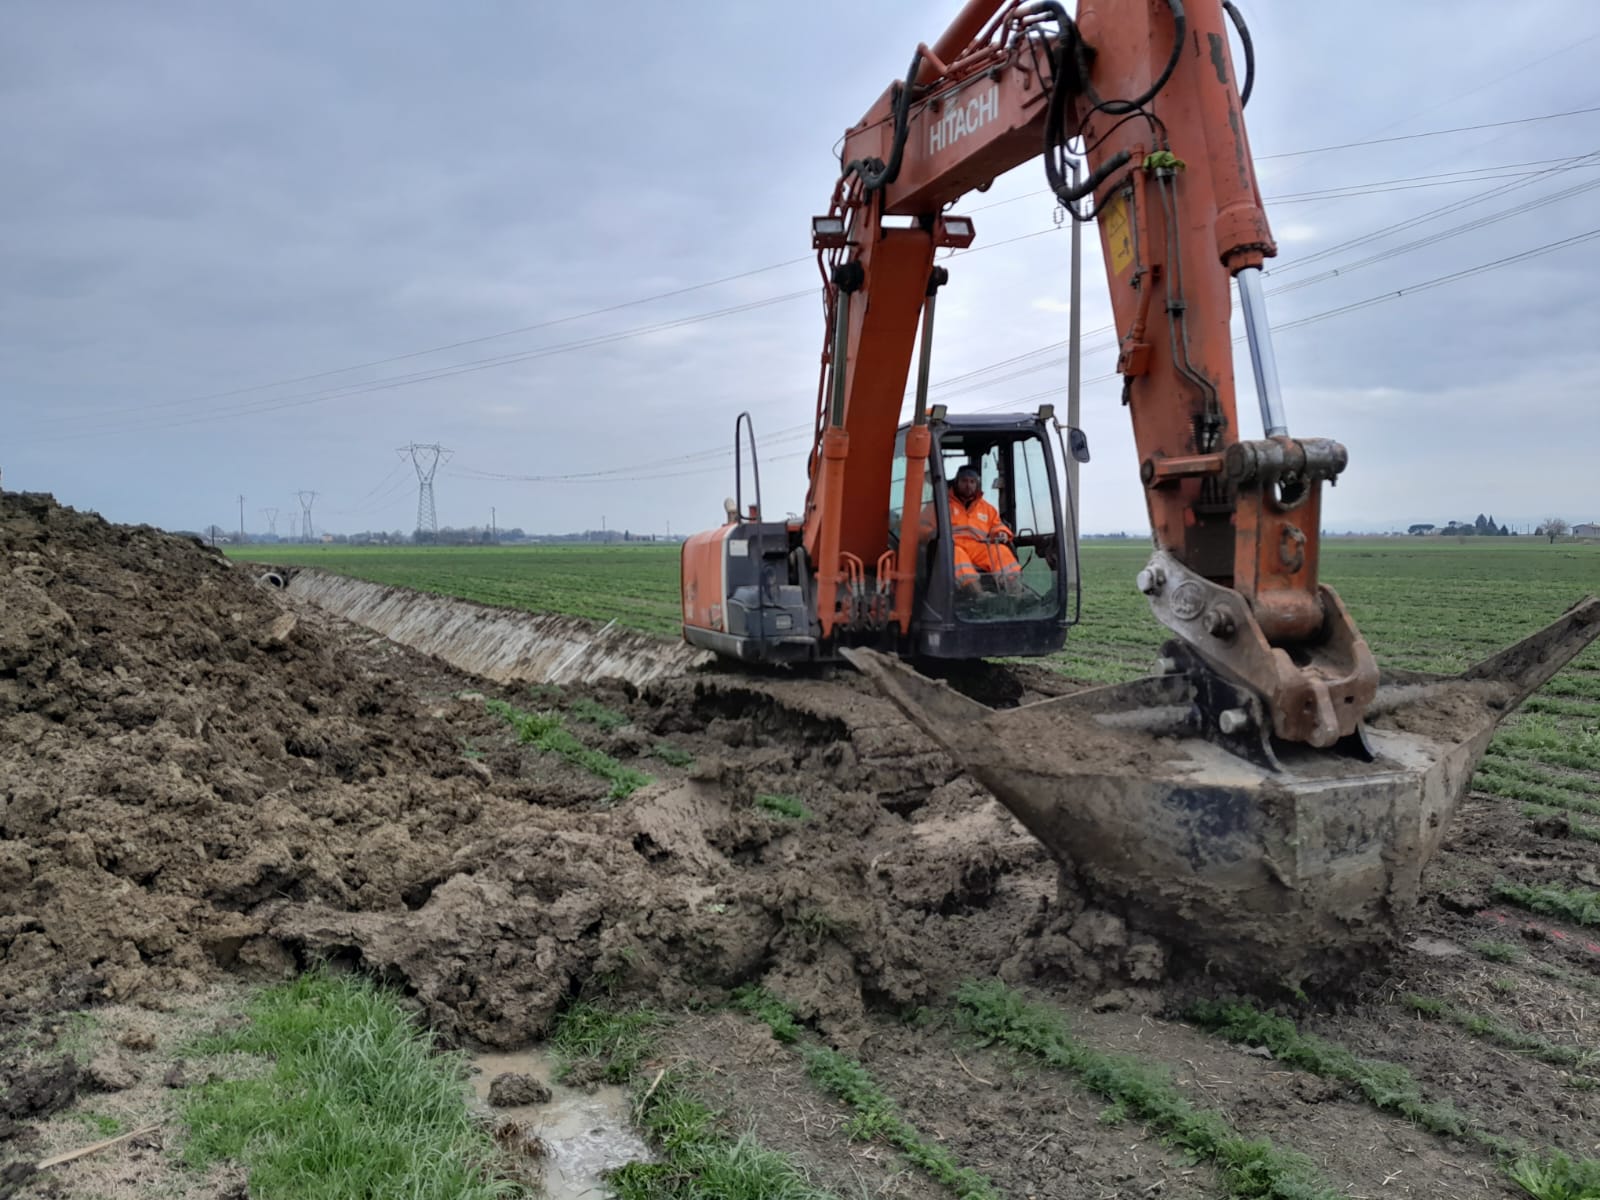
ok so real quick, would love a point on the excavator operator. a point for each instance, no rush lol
(981, 540)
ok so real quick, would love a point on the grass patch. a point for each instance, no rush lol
(546, 733)
(101, 1124)
(673, 756)
(1490, 1030)
(1501, 783)
(358, 1102)
(701, 1159)
(1251, 1170)
(1570, 904)
(1503, 952)
(1557, 1178)
(1574, 828)
(1506, 952)
(877, 1117)
(1390, 1087)
(592, 712)
(619, 1040)
(783, 806)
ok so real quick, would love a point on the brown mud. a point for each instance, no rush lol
(201, 779)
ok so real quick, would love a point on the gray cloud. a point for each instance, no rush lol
(202, 199)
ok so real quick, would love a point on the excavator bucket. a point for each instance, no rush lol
(1287, 869)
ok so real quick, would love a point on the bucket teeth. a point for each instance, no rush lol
(1279, 872)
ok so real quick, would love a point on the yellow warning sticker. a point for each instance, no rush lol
(1115, 228)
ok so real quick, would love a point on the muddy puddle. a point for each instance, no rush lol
(578, 1134)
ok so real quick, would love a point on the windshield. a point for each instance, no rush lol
(1005, 546)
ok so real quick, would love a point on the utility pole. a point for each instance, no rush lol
(271, 514)
(1074, 361)
(494, 532)
(306, 500)
(426, 460)
(241, 520)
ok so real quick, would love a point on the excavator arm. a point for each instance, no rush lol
(1146, 93)
(1202, 803)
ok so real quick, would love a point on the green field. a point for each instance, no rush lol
(1425, 604)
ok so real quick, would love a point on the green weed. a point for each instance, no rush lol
(1502, 783)
(620, 1039)
(783, 806)
(545, 732)
(1557, 1178)
(1391, 1087)
(876, 1115)
(1388, 1086)
(1581, 830)
(1506, 952)
(592, 712)
(701, 1162)
(1499, 951)
(1482, 1026)
(358, 1102)
(1251, 1170)
(672, 755)
(1575, 905)
(100, 1123)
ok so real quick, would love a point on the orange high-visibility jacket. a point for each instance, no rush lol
(973, 529)
(980, 521)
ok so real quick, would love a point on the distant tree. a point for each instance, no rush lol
(1504, 532)
(1481, 525)
(1552, 528)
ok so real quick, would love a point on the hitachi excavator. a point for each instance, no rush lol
(1269, 799)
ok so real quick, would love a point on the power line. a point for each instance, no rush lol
(473, 341)
(1442, 235)
(1381, 298)
(1592, 158)
(280, 403)
(1411, 137)
(642, 300)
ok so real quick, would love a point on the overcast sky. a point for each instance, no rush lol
(215, 216)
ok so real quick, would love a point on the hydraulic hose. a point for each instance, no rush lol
(1073, 61)
(1249, 50)
(1180, 31)
(873, 172)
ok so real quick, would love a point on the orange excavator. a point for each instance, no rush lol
(1270, 798)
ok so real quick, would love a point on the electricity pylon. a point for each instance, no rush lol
(426, 460)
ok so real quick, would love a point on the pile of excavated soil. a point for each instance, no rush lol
(197, 777)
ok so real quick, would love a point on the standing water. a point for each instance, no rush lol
(583, 1133)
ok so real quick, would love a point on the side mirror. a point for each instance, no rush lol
(1078, 444)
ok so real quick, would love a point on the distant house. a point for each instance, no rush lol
(1587, 530)
(1420, 529)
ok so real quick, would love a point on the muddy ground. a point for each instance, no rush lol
(202, 783)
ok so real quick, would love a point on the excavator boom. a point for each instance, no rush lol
(1151, 93)
(1268, 800)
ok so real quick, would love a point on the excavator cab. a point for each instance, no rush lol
(1010, 593)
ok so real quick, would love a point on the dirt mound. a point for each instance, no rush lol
(176, 747)
(199, 774)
